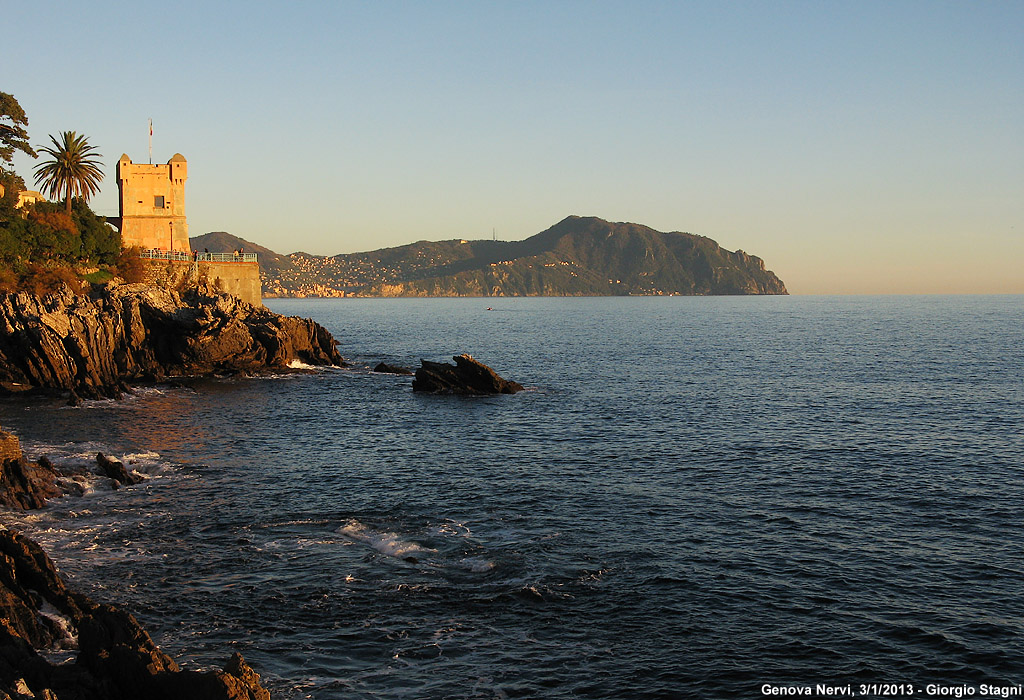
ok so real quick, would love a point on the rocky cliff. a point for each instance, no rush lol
(116, 658)
(94, 346)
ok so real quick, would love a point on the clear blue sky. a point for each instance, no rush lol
(858, 147)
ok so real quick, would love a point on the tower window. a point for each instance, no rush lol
(158, 201)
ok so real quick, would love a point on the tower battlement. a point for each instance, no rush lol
(152, 204)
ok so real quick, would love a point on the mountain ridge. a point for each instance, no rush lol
(578, 256)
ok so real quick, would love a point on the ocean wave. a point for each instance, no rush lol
(451, 528)
(82, 484)
(73, 457)
(289, 523)
(297, 369)
(387, 543)
(129, 399)
(299, 364)
(477, 565)
(64, 629)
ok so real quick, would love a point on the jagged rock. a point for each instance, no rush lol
(113, 647)
(117, 658)
(95, 346)
(242, 680)
(24, 485)
(466, 376)
(27, 580)
(384, 368)
(116, 470)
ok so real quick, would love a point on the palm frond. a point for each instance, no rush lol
(73, 170)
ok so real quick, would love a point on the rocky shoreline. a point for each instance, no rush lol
(97, 346)
(94, 347)
(116, 658)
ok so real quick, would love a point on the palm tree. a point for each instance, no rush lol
(73, 169)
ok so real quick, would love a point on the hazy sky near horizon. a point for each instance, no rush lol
(867, 147)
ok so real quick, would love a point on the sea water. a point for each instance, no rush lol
(693, 497)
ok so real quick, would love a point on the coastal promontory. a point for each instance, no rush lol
(95, 345)
(578, 256)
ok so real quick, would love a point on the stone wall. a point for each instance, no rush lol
(10, 448)
(241, 279)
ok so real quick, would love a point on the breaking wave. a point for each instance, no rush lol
(387, 543)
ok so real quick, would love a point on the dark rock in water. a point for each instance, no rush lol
(384, 368)
(24, 485)
(94, 346)
(466, 376)
(117, 658)
(116, 470)
(28, 579)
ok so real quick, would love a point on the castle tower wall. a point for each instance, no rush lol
(152, 204)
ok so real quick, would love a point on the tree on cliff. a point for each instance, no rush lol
(73, 169)
(13, 136)
(12, 131)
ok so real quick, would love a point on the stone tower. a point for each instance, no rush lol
(153, 204)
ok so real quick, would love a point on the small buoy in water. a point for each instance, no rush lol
(490, 309)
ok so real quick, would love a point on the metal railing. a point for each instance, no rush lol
(196, 256)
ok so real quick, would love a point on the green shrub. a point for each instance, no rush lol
(100, 242)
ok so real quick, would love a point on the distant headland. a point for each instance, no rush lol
(579, 256)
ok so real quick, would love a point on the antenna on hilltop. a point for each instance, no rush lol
(494, 236)
(151, 141)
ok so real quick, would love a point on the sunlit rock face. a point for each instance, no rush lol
(95, 346)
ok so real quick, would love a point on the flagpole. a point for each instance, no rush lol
(151, 141)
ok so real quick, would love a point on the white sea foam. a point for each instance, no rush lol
(68, 637)
(478, 565)
(147, 463)
(89, 404)
(387, 543)
(78, 460)
(451, 528)
(290, 523)
(78, 484)
(153, 390)
(299, 364)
